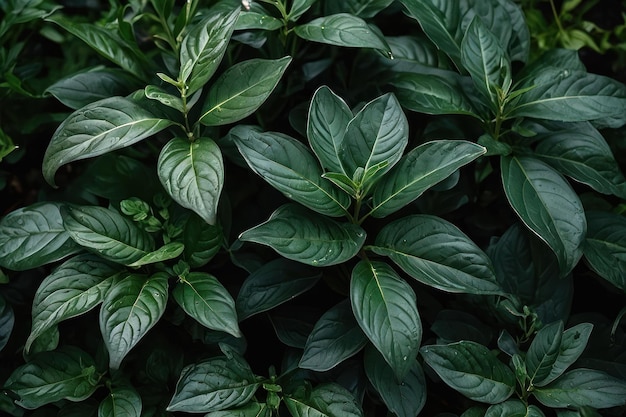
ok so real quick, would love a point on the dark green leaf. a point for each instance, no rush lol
(164, 253)
(121, 402)
(33, 236)
(131, 307)
(363, 8)
(241, 90)
(513, 408)
(438, 254)
(605, 246)
(298, 8)
(251, 409)
(326, 400)
(307, 237)
(385, 307)
(202, 241)
(100, 127)
(7, 320)
(543, 352)
(257, 20)
(472, 370)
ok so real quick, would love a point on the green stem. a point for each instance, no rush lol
(556, 17)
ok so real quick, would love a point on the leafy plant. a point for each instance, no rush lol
(294, 208)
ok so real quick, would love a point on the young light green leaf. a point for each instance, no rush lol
(74, 288)
(131, 308)
(216, 384)
(325, 400)
(547, 205)
(438, 254)
(272, 284)
(287, 165)
(543, 352)
(164, 253)
(605, 245)
(420, 169)
(472, 370)
(343, 29)
(583, 388)
(122, 401)
(67, 373)
(335, 337)
(107, 233)
(307, 237)
(33, 236)
(170, 100)
(385, 307)
(193, 174)
(100, 127)
(327, 121)
(203, 47)
(404, 399)
(202, 241)
(205, 299)
(241, 90)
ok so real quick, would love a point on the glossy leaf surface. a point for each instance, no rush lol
(326, 400)
(121, 402)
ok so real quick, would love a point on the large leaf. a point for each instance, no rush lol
(122, 401)
(74, 288)
(34, 236)
(583, 388)
(605, 246)
(107, 233)
(343, 29)
(205, 299)
(438, 254)
(513, 408)
(547, 205)
(67, 373)
(472, 370)
(203, 47)
(325, 400)
(241, 90)
(131, 308)
(335, 337)
(385, 307)
(193, 174)
(287, 165)
(422, 168)
(215, 384)
(327, 120)
(100, 127)
(307, 237)
(272, 284)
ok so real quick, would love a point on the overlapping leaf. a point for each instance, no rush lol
(605, 246)
(122, 401)
(327, 400)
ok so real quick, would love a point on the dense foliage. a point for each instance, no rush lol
(310, 208)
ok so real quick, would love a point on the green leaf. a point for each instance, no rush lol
(472, 370)
(378, 133)
(605, 246)
(67, 373)
(583, 388)
(298, 8)
(335, 337)
(202, 241)
(385, 307)
(327, 121)
(543, 352)
(162, 96)
(325, 400)
(216, 384)
(107, 233)
(203, 47)
(272, 284)
(307, 237)
(131, 308)
(122, 401)
(7, 320)
(205, 299)
(404, 399)
(166, 252)
(343, 29)
(438, 254)
(100, 127)
(74, 288)
(547, 205)
(193, 174)
(257, 20)
(287, 165)
(513, 408)
(33, 236)
(422, 168)
(363, 8)
(251, 409)
(241, 90)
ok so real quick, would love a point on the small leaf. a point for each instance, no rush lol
(166, 252)
(157, 93)
(472, 370)
(605, 246)
(363, 8)
(100, 127)
(438, 254)
(7, 320)
(272, 284)
(34, 236)
(131, 308)
(121, 402)
(307, 237)
(202, 241)
(298, 8)
(241, 90)
(193, 174)
(335, 337)
(257, 20)
(326, 400)
(543, 352)
(513, 408)
(385, 307)
(206, 300)
(251, 409)
(343, 29)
